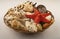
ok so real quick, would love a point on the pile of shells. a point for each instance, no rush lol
(16, 19)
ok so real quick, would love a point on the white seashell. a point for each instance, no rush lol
(28, 7)
(48, 17)
(8, 17)
(39, 27)
(31, 26)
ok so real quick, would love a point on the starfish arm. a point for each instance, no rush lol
(37, 18)
(46, 14)
(43, 19)
(30, 16)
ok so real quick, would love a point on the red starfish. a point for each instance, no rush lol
(38, 17)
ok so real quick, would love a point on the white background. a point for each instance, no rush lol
(52, 32)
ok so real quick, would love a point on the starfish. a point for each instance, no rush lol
(38, 16)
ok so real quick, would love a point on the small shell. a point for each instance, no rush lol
(20, 6)
(49, 17)
(41, 8)
(28, 7)
(39, 27)
(31, 27)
